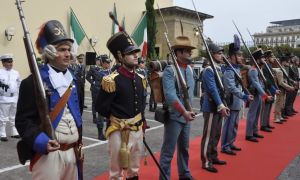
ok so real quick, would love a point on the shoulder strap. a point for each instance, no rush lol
(61, 103)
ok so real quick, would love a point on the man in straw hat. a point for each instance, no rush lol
(121, 101)
(51, 158)
(177, 127)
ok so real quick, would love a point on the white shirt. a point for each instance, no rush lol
(13, 80)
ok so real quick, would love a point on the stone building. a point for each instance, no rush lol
(280, 33)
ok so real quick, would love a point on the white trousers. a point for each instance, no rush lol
(57, 165)
(7, 115)
(135, 146)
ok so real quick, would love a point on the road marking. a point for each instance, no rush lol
(87, 111)
(91, 139)
(13, 167)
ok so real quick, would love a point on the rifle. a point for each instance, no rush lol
(40, 93)
(178, 72)
(255, 63)
(252, 39)
(210, 58)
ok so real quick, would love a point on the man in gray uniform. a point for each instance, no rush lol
(256, 89)
(235, 100)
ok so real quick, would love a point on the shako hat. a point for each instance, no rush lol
(7, 57)
(214, 48)
(105, 58)
(183, 42)
(52, 32)
(234, 48)
(258, 53)
(121, 43)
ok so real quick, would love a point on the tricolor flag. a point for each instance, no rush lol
(140, 37)
(114, 28)
(76, 32)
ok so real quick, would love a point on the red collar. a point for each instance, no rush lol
(182, 65)
(126, 73)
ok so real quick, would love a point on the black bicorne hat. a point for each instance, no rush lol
(268, 53)
(52, 32)
(121, 43)
(257, 54)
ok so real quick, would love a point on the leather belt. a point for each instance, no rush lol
(65, 147)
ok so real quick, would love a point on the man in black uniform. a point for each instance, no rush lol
(80, 75)
(121, 100)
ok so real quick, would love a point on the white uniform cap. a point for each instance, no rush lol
(7, 56)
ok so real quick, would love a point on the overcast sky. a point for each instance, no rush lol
(252, 14)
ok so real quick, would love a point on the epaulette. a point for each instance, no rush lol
(144, 80)
(108, 83)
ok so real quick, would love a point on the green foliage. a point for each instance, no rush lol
(151, 30)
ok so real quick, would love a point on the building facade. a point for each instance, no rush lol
(280, 33)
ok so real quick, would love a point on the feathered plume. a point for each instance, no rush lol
(41, 41)
(181, 26)
(237, 42)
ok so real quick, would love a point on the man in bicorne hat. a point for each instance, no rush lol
(9, 91)
(257, 89)
(121, 101)
(177, 127)
(213, 112)
(235, 98)
(51, 158)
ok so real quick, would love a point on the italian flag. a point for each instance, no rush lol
(140, 37)
(76, 32)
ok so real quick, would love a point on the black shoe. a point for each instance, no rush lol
(218, 162)
(16, 136)
(278, 122)
(84, 106)
(235, 148)
(187, 178)
(210, 169)
(229, 152)
(271, 127)
(283, 120)
(265, 129)
(294, 111)
(284, 116)
(258, 135)
(133, 178)
(251, 138)
(3, 139)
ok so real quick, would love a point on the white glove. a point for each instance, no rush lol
(50, 52)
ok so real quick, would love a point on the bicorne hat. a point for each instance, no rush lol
(121, 43)
(52, 32)
(257, 54)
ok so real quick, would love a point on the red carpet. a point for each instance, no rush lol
(261, 161)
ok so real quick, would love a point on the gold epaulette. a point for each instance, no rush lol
(108, 83)
(144, 80)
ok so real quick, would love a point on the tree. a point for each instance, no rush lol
(151, 30)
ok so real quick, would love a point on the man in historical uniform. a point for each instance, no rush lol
(235, 97)
(80, 75)
(256, 88)
(213, 112)
(121, 101)
(294, 74)
(95, 76)
(177, 126)
(10, 83)
(284, 87)
(51, 157)
(272, 87)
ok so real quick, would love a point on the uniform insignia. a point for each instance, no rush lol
(108, 83)
(144, 80)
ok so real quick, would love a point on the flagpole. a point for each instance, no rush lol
(84, 31)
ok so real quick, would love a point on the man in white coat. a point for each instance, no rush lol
(10, 83)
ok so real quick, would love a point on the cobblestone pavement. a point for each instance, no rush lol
(96, 156)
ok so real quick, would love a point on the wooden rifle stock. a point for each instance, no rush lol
(182, 82)
(41, 99)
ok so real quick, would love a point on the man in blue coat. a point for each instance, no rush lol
(256, 88)
(213, 112)
(177, 127)
(51, 157)
(235, 97)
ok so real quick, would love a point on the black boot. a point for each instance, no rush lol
(101, 136)
(133, 178)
